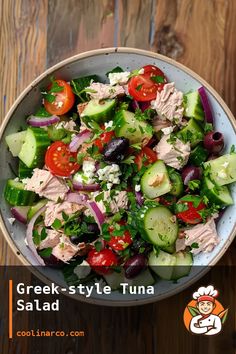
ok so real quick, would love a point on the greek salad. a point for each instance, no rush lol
(122, 180)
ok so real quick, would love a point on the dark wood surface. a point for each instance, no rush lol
(35, 34)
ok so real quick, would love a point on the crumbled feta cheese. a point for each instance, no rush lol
(17, 179)
(108, 124)
(11, 220)
(141, 71)
(70, 125)
(110, 174)
(167, 130)
(88, 174)
(25, 180)
(82, 270)
(119, 78)
(137, 188)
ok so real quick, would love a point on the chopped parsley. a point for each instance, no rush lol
(158, 79)
(46, 253)
(194, 245)
(57, 224)
(139, 87)
(194, 184)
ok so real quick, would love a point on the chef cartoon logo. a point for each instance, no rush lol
(204, 314)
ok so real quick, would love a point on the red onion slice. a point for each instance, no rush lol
(79, 139)
(77, 198)
(139, 198)
(97, 214)
(134, 105)
(144, 105)
(42, 121)
(206, 105)
(78, 186)
(20, 213)
(29, 236)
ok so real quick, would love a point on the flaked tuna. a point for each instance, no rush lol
(46, 185)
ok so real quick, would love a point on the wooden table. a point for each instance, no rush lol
(35, 34)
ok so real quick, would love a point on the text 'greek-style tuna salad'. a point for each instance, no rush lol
(118, 179)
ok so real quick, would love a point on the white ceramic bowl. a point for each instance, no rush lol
(99, 62)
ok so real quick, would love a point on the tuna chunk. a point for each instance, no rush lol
(65, 250)
(159, 124)
(102, 91)
(52, 239)
(169, 103)
(54, 211)
(174, 154)
(204, 236)
(114, 204)
(46, 185)
(81, 107)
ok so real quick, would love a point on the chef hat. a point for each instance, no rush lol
(205, 293)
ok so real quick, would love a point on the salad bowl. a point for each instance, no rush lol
(101, 61)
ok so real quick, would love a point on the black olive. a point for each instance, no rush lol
(90, 236)
(134, 265)
(53, 261)
(116, 149)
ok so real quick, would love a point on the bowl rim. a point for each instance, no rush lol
(106, 51)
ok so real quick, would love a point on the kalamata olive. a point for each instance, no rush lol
(53, 261)
(190, 173)
(93, 228)
(134, 265)
(75, 239)
(214, 142)
(116, 149)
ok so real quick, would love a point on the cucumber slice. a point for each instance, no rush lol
(160, 227)
(155, 181)
(15, 142)
(223, 169)
(55, 134)
(192, 132)
(184, 261)
(98, 111)
(198, 155)
(35, 208)
(176, 182)
(15, 194)
(24, 171)
(114, 279)
(162, 264)
(218, 195)
(34, 148)
(144, 278)
(193, 106)
(129, 127)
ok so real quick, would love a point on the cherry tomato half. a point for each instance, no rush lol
(149, 154)
(191, 215)
(104, 139)
(64, 99)
(144, 87)
(60, 160)
(101, 261)
(119, 243)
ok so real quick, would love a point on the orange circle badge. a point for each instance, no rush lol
(204, 314)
